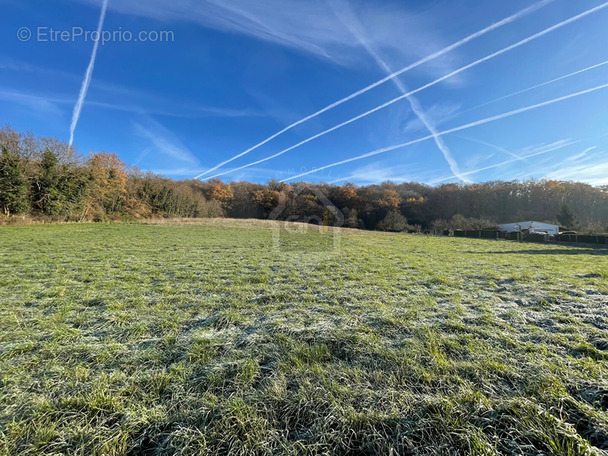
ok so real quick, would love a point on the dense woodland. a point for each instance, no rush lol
(46, 178)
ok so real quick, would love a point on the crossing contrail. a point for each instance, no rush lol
(504, 97)
(430, 57)
(87, 77)
(506, 162)
(352, 25)
(562, 144)
(412, 92)
(452, 130)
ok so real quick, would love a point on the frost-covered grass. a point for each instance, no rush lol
(207, 339)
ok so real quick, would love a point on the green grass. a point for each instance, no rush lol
(206, 339)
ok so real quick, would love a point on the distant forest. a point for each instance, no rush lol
(45, 178)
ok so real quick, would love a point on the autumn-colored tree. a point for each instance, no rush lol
(267, 199)
(347, 195)
(279, 186)
(109, 184)
(390, 199)
(219, 191)
(50, 178)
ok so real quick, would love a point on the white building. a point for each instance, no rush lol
(532, 227)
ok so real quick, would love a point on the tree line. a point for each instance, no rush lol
(45, 177)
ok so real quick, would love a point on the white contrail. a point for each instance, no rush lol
(414, 103)
(562, 145)
(506, 162)
(452, 130)
(493, 146)
(432, 56)
(443, 147)
(87, 77)
(412, 92)
(532, 88)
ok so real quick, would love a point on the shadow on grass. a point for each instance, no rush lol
(572, 251)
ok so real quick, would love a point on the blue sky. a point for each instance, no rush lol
(232, 73)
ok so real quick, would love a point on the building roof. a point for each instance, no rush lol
(529, 223)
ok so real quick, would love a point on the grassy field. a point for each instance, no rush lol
(228, 337)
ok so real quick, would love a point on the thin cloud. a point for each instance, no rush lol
(374, 173)
(174, 110)
(583, 154)
(141, 101)
(174, 172)
(493, 146)
(38, 104)
(452, 130)
(303, 26)
(228, 112)
(426, 59)
(589, 166)
(89, 73)
(395, 100)
(163, 141)
(20, 66)
(133, 100)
